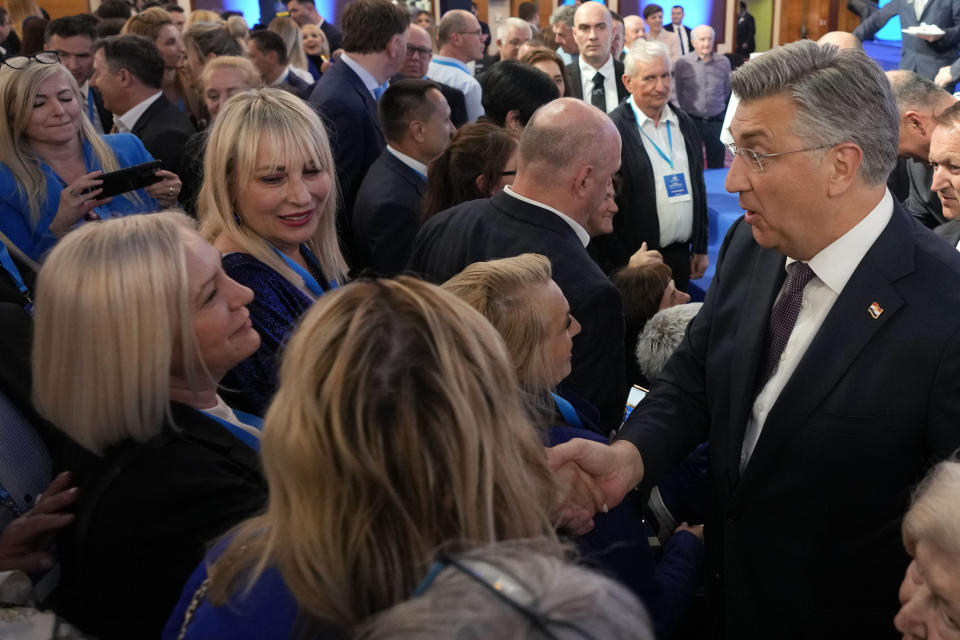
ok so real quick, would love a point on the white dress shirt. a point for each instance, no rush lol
(610, 81)
(128, 120)
(675, 214)
(832, 268)
(414, 164)
(456, 74)
(582, 234)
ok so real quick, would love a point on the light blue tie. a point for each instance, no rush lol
(379, 90)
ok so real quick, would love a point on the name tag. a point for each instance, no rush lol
(676, 185)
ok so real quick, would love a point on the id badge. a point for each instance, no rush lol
(676, 185)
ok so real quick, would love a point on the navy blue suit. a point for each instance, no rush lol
(918, 55)
(297, 86)
(807, 539)
(503, 227)
(385, 216)
(350, 115)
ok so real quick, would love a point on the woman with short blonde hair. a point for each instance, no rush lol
(397, 430)
(289, 30)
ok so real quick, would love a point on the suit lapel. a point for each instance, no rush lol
(144, 120)
(846, 330)
(371, 105)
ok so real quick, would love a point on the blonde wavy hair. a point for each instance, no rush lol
(251, 77)
(397, 428)
(121, 284)
(244, 122)
(17, 91)
(204, 15)
(500, 290)
(289, 30)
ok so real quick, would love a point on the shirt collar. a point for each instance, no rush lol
(837, 261)
(368, 80)
(280, 79)
(582, 234)
(416, 165)
(85, 89)
(128, 120)
(667, 115)
(587, 72)
(451, 62)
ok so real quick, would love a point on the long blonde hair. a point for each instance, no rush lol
(244, 122)
(289, 30)
(17, 91)
(397, 428)
(19, 11)
(122, 285)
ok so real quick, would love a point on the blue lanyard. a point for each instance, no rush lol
(668, 160)
(91, 105)
(245, 436)
(567, 411)
(455, 65)
(315, 287)
(7, 262)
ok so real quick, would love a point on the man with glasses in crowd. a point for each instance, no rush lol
(823, 368)
(461, 42)
(415, 65)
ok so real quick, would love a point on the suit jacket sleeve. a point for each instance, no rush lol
(344, 125)
(701, 220)
(869, 27)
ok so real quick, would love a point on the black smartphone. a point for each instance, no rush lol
(128, 179)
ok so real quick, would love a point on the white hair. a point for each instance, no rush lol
(661, 336)
(703, 27)
(644, 52)
(503, 29)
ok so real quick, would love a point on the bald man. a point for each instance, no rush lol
(461, 42)
(568, 153)
(595, 75)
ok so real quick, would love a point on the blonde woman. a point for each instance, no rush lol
(397, 430)
(20, 10)
(203, 15)
(289, 30)
(268, 203)
(157, 25)
(51, 158)
(317, 48)
(205, 41)
(163, 464)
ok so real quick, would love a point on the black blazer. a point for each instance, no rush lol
(297, 86)
(808, 537)
(350, 115)
(164, 131)
(576, 84)
(147, 513)
(385, 216)
(502, 227)
(637, 221)
(333, 33)
(949, 231)
(106, 118)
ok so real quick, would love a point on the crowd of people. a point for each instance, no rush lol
(357, 331)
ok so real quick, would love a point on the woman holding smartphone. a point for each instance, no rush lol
(51, 158)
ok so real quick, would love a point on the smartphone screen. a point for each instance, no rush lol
(637, 393)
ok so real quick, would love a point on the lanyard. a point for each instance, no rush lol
(455, 65)
(7, 262)
(311, 282)
(567, 411)
(245, 436)
(668, 160)
(91, 105)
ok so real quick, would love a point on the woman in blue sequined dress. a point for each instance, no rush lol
(268, 204)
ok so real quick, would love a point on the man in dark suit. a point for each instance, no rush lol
(924, 54)
(73, 37)
(746, 30)
(268, 53)
(375, 45)
(944, 155)
(415, 65)
(824, 366)
(676, 26)
(595, 74)
(305, 12)
(663, 201)
(416, 122)
(568, 153)
(128, 71)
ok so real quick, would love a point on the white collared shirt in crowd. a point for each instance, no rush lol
(456, 74)
(610, 81)
(416, 165)
(127, 121)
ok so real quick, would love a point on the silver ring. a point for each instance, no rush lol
(171, 190)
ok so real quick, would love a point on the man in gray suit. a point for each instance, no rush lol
(923, 54)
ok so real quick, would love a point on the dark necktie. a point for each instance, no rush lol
(598, 97)
(784, 316)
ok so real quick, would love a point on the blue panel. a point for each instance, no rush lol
(891, 31)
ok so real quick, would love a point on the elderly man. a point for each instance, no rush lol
(595, 75)
(562, 24)
(415, 119)
(663, 199)
(826, 291)
(461, 42)
(703, 86)
(415, 65)
(634, 27)
(919, 101)
(945, 157)
(568, 153)
(511, 33)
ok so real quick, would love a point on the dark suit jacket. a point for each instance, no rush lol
(807, 539)
(916, 54)
(669, 27)
(949, 231)
(502, 227)
(297, 86)
(333, 33)
(576, 84)
(350, 115)
(746, 30)
(385, 216)
(106, 118)
(164, 131)
(637, 220)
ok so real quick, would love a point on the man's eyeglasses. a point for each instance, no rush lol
(505, 587)
(418, 51)
(755, 160)
(478, 33)
(21, 62)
